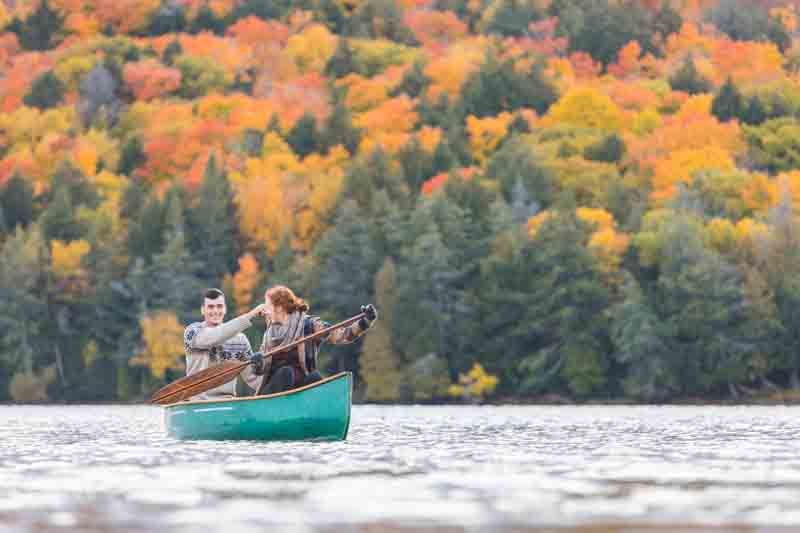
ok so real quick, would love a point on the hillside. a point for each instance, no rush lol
(590, 198)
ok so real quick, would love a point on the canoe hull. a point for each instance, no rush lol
(320, 411)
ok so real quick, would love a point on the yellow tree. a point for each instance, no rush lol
(245, 281)
(486, 133)
(312, 48)
(680, 165)
(163, 343)
(585, 107)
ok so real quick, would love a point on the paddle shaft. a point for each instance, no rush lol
(212, 378)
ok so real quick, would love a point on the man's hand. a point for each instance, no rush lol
(257, 360)
(259, 310)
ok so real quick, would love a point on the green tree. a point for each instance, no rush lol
(642, 346)
(16, 201)
(755, 113)
(342, 62)
(728, 102)
(514, 163)
(775, 144)
(688, 79)
(24, 256)
(207, 20)
(41, 30)
(339, 130)
(498, 87)
(46, 91)
(304, 137)
(132, 156)
(512, 17)
(215, 239)
(170, 18)
(378, 362)
(609, 149)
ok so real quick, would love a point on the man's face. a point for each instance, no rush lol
(214, 310)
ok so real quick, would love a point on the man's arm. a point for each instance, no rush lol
(208, 337)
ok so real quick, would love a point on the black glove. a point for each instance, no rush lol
(257, 360)
(370, 313)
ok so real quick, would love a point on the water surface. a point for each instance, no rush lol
(111, 468)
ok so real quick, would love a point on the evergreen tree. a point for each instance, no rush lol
(146, 230)
(755, 113)
(609, 149)
(688, 79)
(342, 62)
(378, 362)
(416, 164)
(41, 30)
(371, 174)
(131, 157)
(512, 17)
(414, 82)
(23, 336)
(346, 263)
(641, 344)
(339, 130)
(170, 18)
(700, 300)
(58, 220)
(727, 103)
(207, 20)
(173, 50)
(46, 91)
(215, 237)
(303, 137)
(16, 201)
(515, 163)
(543, 309)
(497, 87)
(667, 21)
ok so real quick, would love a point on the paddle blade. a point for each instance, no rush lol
(198, 382)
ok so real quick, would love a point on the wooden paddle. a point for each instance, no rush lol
(217, 375)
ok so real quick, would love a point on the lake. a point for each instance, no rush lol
(409, 468)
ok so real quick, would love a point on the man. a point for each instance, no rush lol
(211, 342)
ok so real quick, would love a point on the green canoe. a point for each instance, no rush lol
(320, 411)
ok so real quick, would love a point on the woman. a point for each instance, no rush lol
(288, 320)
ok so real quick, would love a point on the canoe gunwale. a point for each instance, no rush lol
(323, 381)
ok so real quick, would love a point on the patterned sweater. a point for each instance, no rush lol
(207, 346)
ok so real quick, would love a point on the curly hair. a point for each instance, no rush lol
(283, 298)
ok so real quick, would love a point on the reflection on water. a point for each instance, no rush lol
(111, 468)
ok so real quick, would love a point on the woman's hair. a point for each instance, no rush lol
(283, 297)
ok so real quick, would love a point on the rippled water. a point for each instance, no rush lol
(111, 468)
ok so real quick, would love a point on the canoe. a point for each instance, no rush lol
(320, 411)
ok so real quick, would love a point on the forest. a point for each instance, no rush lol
(581, 199)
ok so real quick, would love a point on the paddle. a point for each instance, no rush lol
(213, 377)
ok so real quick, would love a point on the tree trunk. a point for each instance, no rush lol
(60, 366)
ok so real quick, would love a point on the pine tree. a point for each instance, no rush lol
(378, 362)
(755, 114)
(206, 20)
(609, 149)
(303, 137)
(727, 103)
(16, 201)
(339, 130)
(58, 220)
(688, 79)
(346, 263)
(215, 237)
(131, 157)
(41, 29)
(342, 62)
(514, 163)
(146, 230)
(46, 91)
